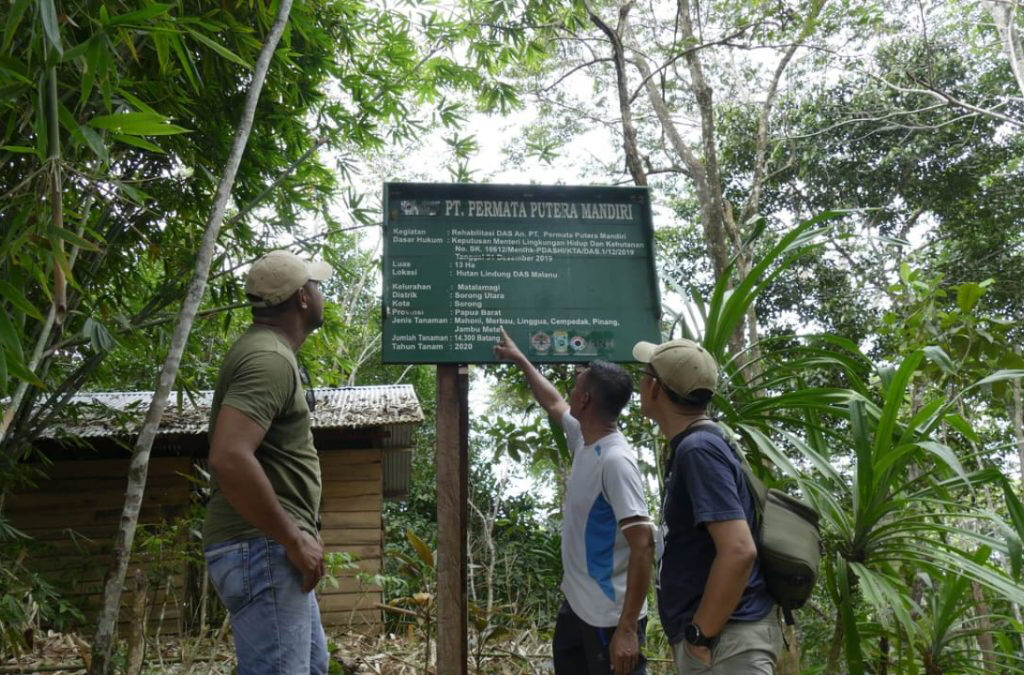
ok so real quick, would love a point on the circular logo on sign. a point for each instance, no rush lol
(541, 342)
(577, 343)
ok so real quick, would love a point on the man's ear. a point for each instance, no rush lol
(303, 297)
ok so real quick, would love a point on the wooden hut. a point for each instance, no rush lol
(364, 438)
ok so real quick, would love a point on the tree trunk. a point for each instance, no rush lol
(60, 285)
(1018, 426)
(836, 647)
(985, 641)
(629, 146)
(1004, 15)
(140, 611)
(104, 640)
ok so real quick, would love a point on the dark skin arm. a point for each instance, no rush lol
(625, 645)
(542, 389)
(735, 553)
(242, 480)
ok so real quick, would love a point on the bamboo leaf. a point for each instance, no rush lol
(17, 12)
(17, 368)
(95, 142)
(185, 60)
(220, 49)
(150, 11)
(137, 124)
(15, 68)
(138, 142)
(3, 372)
(16, 298)
(75, 239)
(48, 13)
(9, 337)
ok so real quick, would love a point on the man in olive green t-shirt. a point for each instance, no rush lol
(260, 534)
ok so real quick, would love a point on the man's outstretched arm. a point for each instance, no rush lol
(542, 389)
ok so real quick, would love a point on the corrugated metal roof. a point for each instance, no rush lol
(119, 413)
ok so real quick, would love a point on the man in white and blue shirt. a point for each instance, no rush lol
(607, 539)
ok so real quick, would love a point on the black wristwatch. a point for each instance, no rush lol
(696, 637)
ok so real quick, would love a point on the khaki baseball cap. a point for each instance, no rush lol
(277, 275)
(682, 365)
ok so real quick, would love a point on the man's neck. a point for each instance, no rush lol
(290, 331)
(594, 430)
(676, 422)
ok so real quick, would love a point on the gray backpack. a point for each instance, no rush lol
(789, 543)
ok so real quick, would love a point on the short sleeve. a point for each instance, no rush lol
(711, 482)
(261, 386)
(573, 432)
(623, 487)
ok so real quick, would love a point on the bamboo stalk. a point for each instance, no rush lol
(104, 641)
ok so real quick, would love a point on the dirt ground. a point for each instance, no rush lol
(350, 653)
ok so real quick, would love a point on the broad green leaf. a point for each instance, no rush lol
(421, 548)
(16, 298)
(20, 149)
(3, 371)
(968, 294)
(219, 48)
(945, 454)
(99, 337)
(957, 421)
(48, 14)
(937, 356)
(137, 124)
(883, 593)
(894, 402)
(862, 452)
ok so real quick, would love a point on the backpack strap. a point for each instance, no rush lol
(754, 484)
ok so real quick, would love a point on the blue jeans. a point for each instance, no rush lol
(276, 626)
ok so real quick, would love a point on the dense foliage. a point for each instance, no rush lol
(871, 354)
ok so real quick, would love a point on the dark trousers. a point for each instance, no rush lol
(582, 649)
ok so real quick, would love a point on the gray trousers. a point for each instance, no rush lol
(743, 648)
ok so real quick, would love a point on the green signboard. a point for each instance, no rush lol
(567, 271)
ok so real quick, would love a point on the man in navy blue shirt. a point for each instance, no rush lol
(711, 594)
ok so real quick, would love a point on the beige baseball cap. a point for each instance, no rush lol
(277, 275)
(682, 365)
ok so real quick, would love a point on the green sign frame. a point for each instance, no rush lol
(568, 271)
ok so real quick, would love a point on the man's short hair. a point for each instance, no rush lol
(261, 312)
(698, 400)
(610, 386)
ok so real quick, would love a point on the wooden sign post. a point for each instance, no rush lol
(452, 514)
